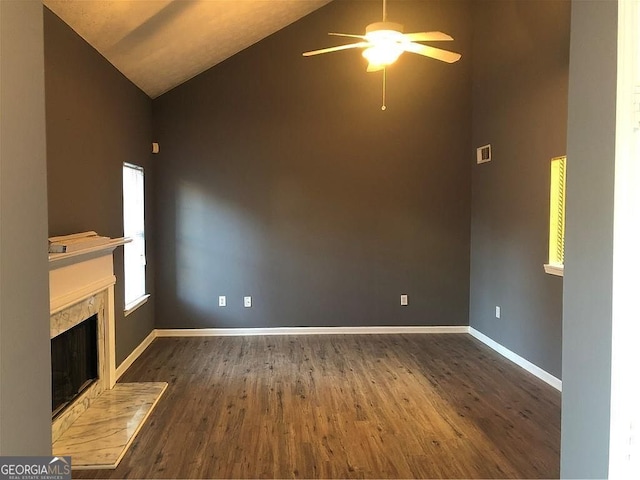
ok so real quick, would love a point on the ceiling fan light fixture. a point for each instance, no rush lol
(382, 54)
(386, 40)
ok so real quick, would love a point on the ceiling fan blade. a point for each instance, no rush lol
(347, 35)
(336, 49)
(374, 68)
(437, 53)
(427, 37)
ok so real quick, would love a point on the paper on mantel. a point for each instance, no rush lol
(76, 242)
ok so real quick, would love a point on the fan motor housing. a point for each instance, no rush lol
(377, 26)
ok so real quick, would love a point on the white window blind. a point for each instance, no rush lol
(134, 252)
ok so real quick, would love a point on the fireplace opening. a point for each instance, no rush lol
(74, 363)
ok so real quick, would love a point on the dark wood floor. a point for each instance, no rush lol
(331, 406)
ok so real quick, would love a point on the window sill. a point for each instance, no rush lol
(136, 304)
(557, 270)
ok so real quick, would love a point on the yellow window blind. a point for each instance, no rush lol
(557, 210)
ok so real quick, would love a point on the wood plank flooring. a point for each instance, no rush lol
(333, 406)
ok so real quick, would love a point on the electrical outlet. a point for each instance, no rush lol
(404, 300)
(222, 301)
(497, 311)
(247, 302)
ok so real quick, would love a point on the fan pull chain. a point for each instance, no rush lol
(384, 89)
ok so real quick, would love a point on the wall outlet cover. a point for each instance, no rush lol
(247, 302)
(404, 300)
(497, 311)
(222, 301)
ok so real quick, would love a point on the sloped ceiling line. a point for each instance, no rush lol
(159, 44)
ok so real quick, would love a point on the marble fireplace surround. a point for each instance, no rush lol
(81, 284)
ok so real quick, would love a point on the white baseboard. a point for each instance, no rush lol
(133, 356)
(222, 332)
(225, 332)
(517, 359)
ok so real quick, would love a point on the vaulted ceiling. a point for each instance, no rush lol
(159, 44)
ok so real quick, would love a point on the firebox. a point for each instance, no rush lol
(74, 363)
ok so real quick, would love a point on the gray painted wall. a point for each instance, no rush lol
(586, 365)
(280, 177)
(96, 120)
(520, 88)
(25, 363)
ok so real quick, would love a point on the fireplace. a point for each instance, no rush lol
(82, 309)
(74, 363)
(94, 420)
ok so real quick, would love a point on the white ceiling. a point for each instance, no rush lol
(159, 44)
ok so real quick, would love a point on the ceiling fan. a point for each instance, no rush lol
(384, 42)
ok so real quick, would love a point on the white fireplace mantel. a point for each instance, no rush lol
(76, 276)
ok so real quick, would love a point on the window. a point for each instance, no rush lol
(134, 252)
(556, 216)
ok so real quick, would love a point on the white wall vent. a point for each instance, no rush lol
(483, 154)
